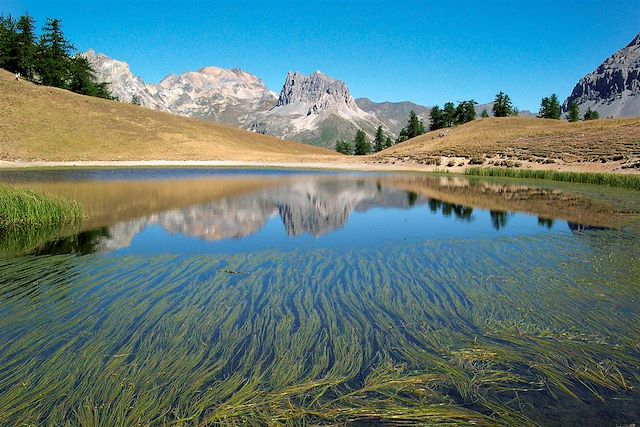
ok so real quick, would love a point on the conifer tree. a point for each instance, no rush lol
(502, 106)
(437, 118)
(449, 114)
(484, 114)
(574, 112)
(550, 108)
(25, 47)
(414, 128)
(388, 143)
(591, 115)
(8, 34)
(344, 147)
(81, 78)
(379, 140)
(465, 112)
(54, 52)
(361, 143)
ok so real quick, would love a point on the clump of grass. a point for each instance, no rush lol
(23, 208)
(631, 182)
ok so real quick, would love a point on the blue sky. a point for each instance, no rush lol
(428, 52)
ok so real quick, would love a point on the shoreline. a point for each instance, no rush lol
(368, 164)
(302, 165)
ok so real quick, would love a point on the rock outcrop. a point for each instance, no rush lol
(613, 89)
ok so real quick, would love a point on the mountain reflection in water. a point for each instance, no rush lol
(317, 206)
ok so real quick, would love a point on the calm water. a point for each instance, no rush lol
(194, 296)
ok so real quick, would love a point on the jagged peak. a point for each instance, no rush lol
(318, 89)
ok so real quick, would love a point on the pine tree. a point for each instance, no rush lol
(591, 115)
(550, 108)
(437, 118)
(25, 47)
(414, 128)
(379, 140)
(449, 114)
(465, 112)
(502, 106)
(484, 114)
(388, 143)
(344, 147)
(414, 125)
(54, 52)
(361, 143)
(574, 112)
(81, 78)
(8, 35)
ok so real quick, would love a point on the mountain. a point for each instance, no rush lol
(214, 94)
(315, 109)
(122, 83)
(613, 89)
(394, 114)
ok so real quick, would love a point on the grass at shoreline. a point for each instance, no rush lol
(631, 182)
(23, 208)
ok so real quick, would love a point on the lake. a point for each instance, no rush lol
(268, 297)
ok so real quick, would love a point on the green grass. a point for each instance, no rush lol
(23, 208)
(441, 333)
(628, 181)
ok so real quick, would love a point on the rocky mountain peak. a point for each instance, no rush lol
(212, 93)
(318, 91)
(613, 89)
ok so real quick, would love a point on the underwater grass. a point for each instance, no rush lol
(444, 333)
(628, 181)
(24, 208)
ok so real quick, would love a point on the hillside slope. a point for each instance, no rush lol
(45, 123)
(612, 145)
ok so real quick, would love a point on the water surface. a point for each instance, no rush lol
(200, 296)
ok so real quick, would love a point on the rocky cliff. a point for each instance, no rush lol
(613, 89)
(316, 109)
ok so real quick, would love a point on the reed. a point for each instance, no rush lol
(23, 208)
(629, 181)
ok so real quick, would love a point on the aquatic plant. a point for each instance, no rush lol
(629, 181)
(441, 333)
(24, 208)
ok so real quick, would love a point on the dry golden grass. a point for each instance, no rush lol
(528, 141)
(45, 123)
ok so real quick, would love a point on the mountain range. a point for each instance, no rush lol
(317, 109)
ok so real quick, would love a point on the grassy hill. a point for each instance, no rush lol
(526, 142)
(45, 123)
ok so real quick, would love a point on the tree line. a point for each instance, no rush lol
(361, 144)
(450, 115)
(48, 59)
